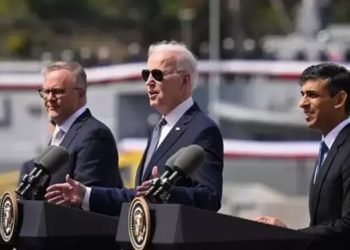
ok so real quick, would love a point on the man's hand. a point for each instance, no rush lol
(270, 220)
(142, 189)
(70, 192)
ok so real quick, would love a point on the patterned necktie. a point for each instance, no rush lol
(57, 138)
(321, 156)
(154, 142)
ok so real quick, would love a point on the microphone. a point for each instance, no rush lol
(169, 164)
(34, 184)
(186, 161)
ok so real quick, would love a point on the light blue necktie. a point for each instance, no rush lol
(154, 142)
(57, 138)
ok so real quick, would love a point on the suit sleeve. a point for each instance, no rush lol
(204, 188)
(109, 200)
(97, 160)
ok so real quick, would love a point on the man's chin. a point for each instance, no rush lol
(311, 124)
(153, 103)
(53, 116)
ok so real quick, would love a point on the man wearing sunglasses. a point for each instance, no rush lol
(93, 153)
(169, 79)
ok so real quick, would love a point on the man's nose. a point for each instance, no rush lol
(150, 81)
(303, 102)
(50, 96)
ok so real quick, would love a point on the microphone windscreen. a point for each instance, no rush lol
(54, 158)
(189, 159)
(171, 160)
(39, 156)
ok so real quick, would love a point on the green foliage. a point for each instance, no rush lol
(342, 10)
(53, 9)
(13, 9)
(53, 24)
(19, 44)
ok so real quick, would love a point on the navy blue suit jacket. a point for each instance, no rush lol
(329, 198)
(203, 189)
(93, 154)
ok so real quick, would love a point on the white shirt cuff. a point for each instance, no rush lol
(86, 201)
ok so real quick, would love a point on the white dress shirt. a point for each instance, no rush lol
(65, 126)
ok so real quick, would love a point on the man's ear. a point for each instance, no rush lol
(82, 92)
(186, 80)
(340, 99)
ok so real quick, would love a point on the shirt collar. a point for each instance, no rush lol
(331, 136)
(65, 126)
(173, 116)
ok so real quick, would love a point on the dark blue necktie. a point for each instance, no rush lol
(321, 154)
(154, 142)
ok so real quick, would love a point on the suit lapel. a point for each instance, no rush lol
(138, 178)
(74, 129)
(175, 133)
(315, 189)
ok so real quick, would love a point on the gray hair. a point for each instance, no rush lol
(186, 61)
(74, 67)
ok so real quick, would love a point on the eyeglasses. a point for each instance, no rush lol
(157, 74)
(57, 93)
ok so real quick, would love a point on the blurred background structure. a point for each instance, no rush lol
(251, 54)
(100, 32)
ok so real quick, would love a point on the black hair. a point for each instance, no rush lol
(337, 77)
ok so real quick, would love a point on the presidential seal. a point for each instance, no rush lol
(8, 217)
(139, 223)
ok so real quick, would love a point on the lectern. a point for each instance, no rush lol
(47, 226)
(181, 227)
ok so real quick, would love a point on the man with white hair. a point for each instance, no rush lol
(170, 77)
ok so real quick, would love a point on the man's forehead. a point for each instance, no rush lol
(315, 86)
(315, 83)
(162, 58)
(63, 77)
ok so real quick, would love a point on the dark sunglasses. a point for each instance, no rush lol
(157, 74)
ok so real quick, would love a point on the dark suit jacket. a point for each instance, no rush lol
(203, 189)
(329, 198)
(93, 154)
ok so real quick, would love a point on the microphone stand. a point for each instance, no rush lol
(33, 185)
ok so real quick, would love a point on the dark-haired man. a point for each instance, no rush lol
(325, 90)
